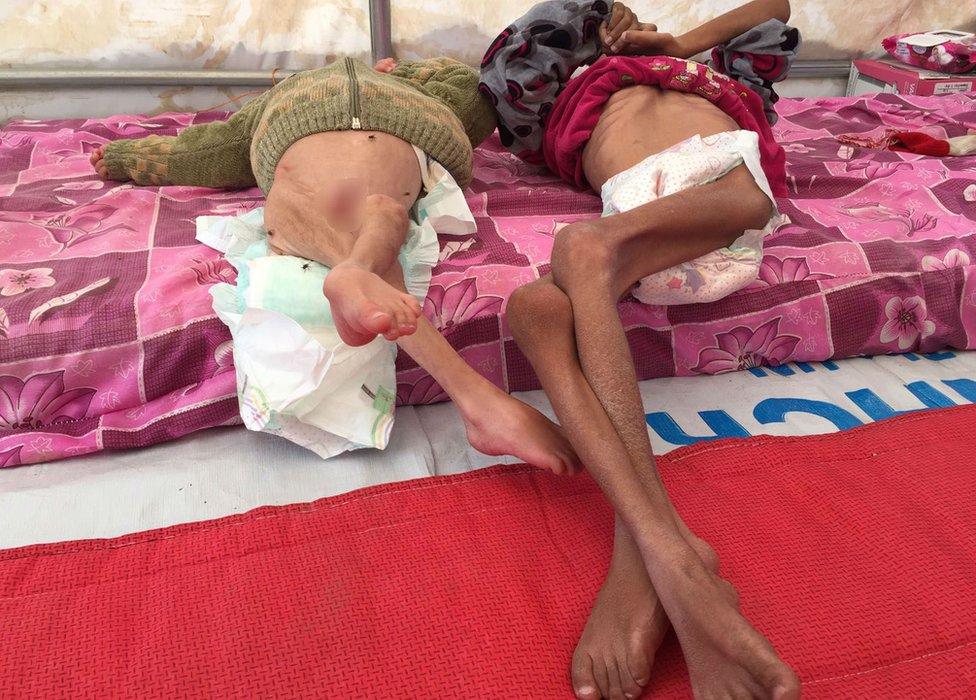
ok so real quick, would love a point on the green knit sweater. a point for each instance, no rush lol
(433, 104)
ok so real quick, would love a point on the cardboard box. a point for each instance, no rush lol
(869, 76)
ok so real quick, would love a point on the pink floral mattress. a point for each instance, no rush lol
(108, 339)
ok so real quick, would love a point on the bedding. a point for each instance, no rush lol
(108, 339)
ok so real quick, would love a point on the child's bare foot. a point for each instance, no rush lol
(364, 306)
(626, 626)
(498, 424)
(385, 65)
(98, 162)
(726, 656)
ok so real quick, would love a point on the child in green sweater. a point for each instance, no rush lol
(333, 151)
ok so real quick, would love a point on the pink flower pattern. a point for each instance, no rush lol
(40, 401)
(744, 348)
(908, 219)
(777, 271)
(907, 322)
(425, 391)
(857, 215)
(224, 357)
(13, 282)
(797, 148)
(81, 224)
(954, 258)
(447, 306)
(11, 457)
(213, 271)
(877, 169)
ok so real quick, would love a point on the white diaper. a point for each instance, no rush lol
(696, 161)
(295, 376)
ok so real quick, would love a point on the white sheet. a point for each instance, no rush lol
(230, 470)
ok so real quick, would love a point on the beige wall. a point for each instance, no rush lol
(831, 28)
(167, 34)
(212, 34)
(264, 34)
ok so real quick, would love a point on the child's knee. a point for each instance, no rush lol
(391, 211)
(535, 309)
(582, 255)
(524, 307)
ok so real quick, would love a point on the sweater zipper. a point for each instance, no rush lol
(353, 94)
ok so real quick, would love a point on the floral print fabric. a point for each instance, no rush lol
(108, 339)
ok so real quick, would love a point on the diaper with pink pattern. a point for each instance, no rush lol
(696, 161)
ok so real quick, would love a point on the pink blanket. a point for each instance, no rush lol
(108, 340)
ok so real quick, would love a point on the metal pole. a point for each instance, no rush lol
(28, 79)
(380, 29)
(821, 69)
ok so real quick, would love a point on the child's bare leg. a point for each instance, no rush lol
(627, 623)
(595, 263)
(496, 423)
(363, 305)
(365, 290)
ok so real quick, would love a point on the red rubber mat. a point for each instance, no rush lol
(853, 552)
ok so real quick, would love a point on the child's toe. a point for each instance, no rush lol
(413, 304)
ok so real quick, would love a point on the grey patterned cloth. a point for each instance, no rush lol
(758, 58)
(529, 63)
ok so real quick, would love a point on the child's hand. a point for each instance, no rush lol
(621, 19)
(98, 162)
(385, 65)
(623, 23)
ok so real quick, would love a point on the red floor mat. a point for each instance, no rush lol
(853, 552)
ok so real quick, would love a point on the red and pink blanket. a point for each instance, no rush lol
(108, 339)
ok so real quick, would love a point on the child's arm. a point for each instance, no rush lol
(732, 24)
(216, 154)
(707, 36)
